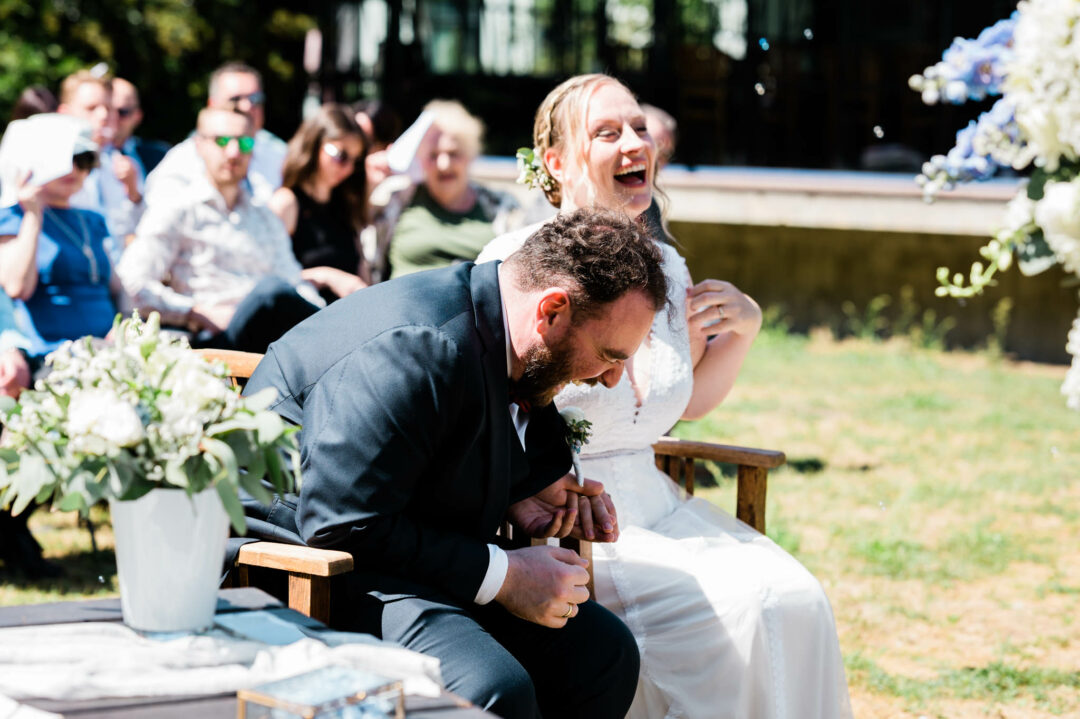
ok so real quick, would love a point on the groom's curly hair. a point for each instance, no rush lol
(599, 255)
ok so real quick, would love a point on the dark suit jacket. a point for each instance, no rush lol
(408, 452)
(150, 152)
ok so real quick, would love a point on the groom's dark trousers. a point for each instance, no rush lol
(410, 460)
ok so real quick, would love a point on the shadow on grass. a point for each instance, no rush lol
(712, 474)
(83, 573)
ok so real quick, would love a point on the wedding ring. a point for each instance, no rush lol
(719, 313)
(569, 611)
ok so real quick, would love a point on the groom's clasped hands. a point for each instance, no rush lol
(546, 584)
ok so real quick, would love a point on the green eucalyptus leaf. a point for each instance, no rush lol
(269, 426)
(33, 479)
(1034, 255)
(254, 486)
(232, 505)
(1037, 185)
(261, 400)
(226, 457)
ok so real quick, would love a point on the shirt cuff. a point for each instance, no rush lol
(498, 564)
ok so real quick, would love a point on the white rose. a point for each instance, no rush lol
(1058, 214)
(103, 415)
(572, 414)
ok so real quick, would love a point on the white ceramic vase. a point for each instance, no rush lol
(170, 549)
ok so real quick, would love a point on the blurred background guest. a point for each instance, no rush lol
(113, 188)
(322, 200)
(34, 100)
(664, 131)
(146, 154)
(52, 255)
(238, 87)
(446, 218)
(213, 260)
(382, 126)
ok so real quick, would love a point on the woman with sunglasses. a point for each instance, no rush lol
(727, 622)
(447, 218)
(322, 200)
(52, 256)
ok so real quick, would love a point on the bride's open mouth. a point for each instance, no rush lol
(632, 175)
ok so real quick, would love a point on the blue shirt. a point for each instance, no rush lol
(72, 297)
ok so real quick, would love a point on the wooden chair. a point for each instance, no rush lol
(309, 569)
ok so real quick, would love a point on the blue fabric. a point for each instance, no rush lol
(66, 303)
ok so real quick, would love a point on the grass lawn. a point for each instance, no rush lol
(935, 495)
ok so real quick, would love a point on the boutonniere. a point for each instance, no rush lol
(578, 431)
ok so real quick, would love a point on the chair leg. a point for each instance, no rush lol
(750, 500)
(310, 595)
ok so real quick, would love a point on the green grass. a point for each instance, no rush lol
(936, 495)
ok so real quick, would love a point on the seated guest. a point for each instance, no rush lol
(382, 126)
(212, 260)
(237, 87)
(145, 154)
(34, 100)
(113, 188)
(446, 218)
(14, 364)
(321, 200)
(52, 255)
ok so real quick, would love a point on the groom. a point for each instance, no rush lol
(413, 453)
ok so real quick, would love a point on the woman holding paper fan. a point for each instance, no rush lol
(52, 256)
(728, 624)
(445, 217)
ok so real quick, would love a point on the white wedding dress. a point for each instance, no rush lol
(729, 625)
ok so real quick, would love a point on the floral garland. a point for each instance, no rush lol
(1031, 60)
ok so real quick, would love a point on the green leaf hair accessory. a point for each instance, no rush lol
(532, 170)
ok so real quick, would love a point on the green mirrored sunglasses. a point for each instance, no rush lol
(246, 142)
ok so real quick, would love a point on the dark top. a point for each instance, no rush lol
(72, 297)
(323, 236)
(409, 455)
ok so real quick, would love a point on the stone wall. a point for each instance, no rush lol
(809, 273)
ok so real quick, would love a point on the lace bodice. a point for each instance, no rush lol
(660, 369)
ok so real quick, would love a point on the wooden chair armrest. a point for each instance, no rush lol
(239, 364)
(295, 558)
(309, 571)
(730, 454)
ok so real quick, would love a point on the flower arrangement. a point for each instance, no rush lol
(116, 421)
(532, 172)
(578, 432)
(1032, 61)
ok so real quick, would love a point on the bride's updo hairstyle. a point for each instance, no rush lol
(560, 124)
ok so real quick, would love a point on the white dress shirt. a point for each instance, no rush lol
(212, 255)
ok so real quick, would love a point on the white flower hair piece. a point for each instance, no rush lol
(531, 170)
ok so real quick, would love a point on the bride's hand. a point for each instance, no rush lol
(716, 306)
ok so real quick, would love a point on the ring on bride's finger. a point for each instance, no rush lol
(719, 313)
(569, 611)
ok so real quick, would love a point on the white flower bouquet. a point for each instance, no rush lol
(116, 421)
(1032, 61)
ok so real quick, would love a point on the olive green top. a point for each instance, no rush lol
(428, 235)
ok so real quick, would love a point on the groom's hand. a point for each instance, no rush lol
(544, 585)
(567, 509)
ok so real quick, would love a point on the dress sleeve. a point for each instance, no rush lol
(10, 220)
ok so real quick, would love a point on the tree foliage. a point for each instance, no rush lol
(167, 48)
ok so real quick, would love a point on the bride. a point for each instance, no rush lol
(728, 624)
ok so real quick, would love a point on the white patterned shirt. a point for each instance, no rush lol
(209, 255)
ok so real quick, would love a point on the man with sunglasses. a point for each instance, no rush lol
(236, 87)
(232, 278)
(145, 154)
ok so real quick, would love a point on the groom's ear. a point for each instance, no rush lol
(553, 313)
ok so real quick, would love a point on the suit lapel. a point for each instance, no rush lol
(507, 463)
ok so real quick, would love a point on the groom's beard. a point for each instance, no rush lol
(547, 369)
